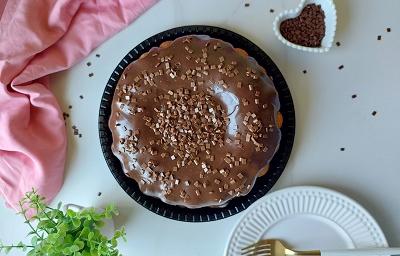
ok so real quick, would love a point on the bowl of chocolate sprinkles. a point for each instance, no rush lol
(263, 184)
(310, 27)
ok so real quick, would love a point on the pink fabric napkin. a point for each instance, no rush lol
(37, 38)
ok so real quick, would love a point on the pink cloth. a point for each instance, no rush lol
(37, 38)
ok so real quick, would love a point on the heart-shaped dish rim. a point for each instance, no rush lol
(329, 9)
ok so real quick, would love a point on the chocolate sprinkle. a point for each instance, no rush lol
(76, 131)
(88, 63)
(340, 67)
(304, 71)
(379, 37)
(374, 113)
(354, 96)
(337, 44)
(388, 29)
(246, 5)
(98, 55)
(342, 149)
(271, 10)
(91, 74)
(81, 96)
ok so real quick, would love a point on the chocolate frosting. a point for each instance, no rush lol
(194, 122)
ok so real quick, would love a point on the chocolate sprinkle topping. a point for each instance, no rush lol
(180, 128)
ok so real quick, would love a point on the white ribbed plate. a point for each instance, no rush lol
(307, 218)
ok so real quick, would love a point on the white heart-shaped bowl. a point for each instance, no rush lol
(328, 6)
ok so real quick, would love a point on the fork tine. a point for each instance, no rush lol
(255, 253)
(260, 249)
(261, 242)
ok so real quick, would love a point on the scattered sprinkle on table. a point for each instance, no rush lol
(340, 67)
(91, 74)
(271, 10)
(99, 194)
(81, 96)
(65, 115)
(69, 106)
(379, 37)
(374, 113)
(388, 29)
(304, 71)
(337, 44)
(342, 149)
(76, 131)
(88, 63)
(98, 55)
(354, 96)
(246, 5)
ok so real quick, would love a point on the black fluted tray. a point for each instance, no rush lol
(262, 185)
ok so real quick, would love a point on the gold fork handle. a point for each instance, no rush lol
(303, 253)
(363, 252)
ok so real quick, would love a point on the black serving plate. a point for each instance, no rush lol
(262, 185)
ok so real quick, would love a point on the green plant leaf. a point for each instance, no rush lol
(79, 243)
(114, 242)
(90, 236)
(45, 224)
(52, 238)
(71, 213)
(7, 249)
(111, 209)
(31, 253)
(74, 248)
(34, 240)
(67, 251)
(87, 223)
(100, 223)
(76, 223)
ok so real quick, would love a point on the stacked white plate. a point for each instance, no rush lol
(307, 218)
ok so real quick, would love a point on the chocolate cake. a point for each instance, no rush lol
(195, 122)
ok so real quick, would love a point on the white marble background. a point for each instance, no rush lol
(328, 118)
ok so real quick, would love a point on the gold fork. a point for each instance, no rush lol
(274, 247)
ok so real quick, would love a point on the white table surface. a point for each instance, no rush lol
(327, 118)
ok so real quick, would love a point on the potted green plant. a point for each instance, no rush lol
(55, 232)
